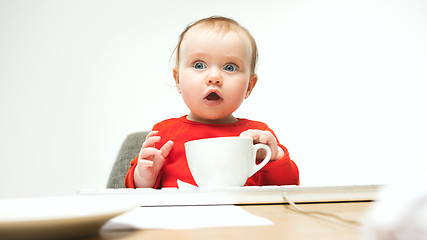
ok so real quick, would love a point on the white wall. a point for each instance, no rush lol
(342, 83)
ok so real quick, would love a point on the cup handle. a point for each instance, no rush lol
(258, 167)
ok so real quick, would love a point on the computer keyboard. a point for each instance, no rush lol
(239, 195)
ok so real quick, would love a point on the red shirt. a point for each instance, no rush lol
(180, 130)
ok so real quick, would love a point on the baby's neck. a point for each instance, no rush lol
(229, 119)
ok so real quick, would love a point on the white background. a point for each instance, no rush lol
(342, 83)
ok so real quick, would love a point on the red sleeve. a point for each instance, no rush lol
(129, 183)
(280, 172)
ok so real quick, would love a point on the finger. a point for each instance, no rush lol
(150, 134)
(254, 134)
(149, 153)
(165, 150)
(246, 133)
(266, 137)
(149, 142)
(250, 133)
(145, 164)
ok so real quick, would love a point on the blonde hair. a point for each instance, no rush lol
(221, 25)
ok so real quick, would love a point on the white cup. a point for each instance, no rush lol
(224, 161)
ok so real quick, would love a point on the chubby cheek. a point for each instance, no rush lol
(234, 103)
(236, 94)
(190, 93)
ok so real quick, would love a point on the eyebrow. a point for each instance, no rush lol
(229, 58)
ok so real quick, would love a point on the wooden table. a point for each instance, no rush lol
(288, 224)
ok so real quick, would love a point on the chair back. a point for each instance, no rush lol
(130, 148)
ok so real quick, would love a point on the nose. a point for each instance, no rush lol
(214, 77)
(215, 82)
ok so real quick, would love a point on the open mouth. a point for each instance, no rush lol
(213, 97)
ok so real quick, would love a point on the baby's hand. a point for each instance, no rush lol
(150, 161)
(267, 138)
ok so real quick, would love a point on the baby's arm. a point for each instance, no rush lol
(150, 161)
(267, 138)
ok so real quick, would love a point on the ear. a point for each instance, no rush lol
(253, 79)
(176, 77)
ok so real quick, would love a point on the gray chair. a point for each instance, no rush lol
(128, 151)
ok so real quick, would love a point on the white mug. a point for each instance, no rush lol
(224, 161)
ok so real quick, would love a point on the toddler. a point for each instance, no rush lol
(214, 73)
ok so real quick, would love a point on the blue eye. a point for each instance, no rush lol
(199, 65)
(230, 67)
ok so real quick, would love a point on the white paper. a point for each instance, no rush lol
(182, 184)
(185, 217)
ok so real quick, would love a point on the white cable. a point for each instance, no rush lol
(298, 209)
